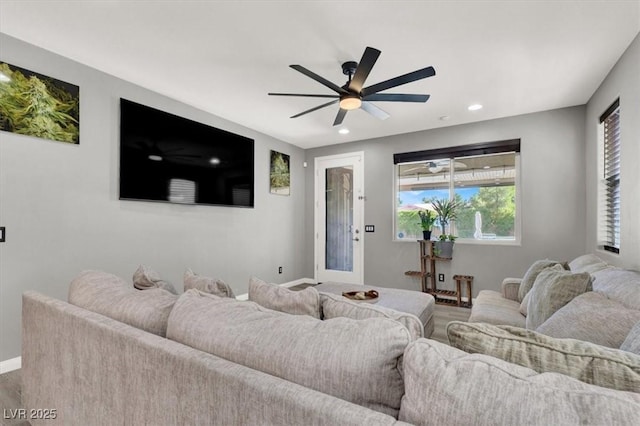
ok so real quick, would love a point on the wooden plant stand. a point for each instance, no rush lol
(427, 275)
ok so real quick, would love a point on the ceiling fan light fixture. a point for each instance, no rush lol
(350, 102)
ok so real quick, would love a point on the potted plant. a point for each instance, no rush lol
(427, 219)
(446, 212)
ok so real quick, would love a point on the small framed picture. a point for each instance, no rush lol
(279, 176)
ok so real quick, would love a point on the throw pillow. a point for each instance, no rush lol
(554, 287)
(594, 318)
(334, 306)
(206, 284)
(445, 386)
(587, 362)
(632, 342)
(145, 278)
(530, 276)
(111, 296)
(278, 298)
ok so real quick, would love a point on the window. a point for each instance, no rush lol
(483, 178)
(609, 170)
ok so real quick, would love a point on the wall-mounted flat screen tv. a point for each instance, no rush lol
(168, 158)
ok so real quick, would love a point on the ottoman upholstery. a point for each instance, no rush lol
(409, 301)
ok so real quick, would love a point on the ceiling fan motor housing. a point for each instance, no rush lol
(349, 68)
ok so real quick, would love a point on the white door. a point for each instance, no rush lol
(339, 215)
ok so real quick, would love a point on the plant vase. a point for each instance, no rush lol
(444, 248)
(426, 235)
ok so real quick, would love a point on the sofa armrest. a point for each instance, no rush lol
(510, 288)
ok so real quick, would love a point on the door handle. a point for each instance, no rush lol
(356, 239)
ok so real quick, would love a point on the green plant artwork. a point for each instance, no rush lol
(36, 105)
(279, 175)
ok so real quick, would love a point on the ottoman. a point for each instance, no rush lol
(409, 301)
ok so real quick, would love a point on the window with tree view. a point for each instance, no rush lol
(483, 185)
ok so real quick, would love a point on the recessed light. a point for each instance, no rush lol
(474, 107)
(343, 131)
(214, 160)
(444, 118)
(154, 157)
(486, 167)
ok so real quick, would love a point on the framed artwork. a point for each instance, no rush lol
(279, 176)
(33, 104)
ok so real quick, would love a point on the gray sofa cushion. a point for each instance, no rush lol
(632, 341)
(589, 263)
(492, 308)
(587, 362)
(621, 285)
(446, 386)
(334, 306)
(111, 296)
(554, 287)
(207, 284)
(593, 318)
(532, 273)
(278, 298)
(357, 361)
(145, 278)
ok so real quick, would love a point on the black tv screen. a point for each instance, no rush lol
(168, 158)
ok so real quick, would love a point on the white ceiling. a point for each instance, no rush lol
(514, 57)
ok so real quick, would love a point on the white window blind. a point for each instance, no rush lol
(610, 223)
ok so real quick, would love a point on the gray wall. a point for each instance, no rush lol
(60, 205)
(552, 199)
(623, 81)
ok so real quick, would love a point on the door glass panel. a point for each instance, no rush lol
(339, 219)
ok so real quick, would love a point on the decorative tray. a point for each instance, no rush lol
(368, 296)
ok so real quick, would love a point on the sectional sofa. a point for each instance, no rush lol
(116, 355)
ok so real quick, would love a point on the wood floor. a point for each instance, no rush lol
(10, 382)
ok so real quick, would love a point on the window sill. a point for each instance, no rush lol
(470, 241)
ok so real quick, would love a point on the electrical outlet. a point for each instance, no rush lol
(279, 269)
(441, 277)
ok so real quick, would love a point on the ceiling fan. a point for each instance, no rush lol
(436, 166)
(353, 96)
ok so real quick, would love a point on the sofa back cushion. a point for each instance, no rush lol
(112, 297)
(589, 263)
(278, 298)
(621, 285)
(587, 362)
(334, 306)
(554, 287)
(592, 317)
(357, 361)
(632, 341)
(446, 386)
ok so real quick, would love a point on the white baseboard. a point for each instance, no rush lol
(10, 365)
(245, 296)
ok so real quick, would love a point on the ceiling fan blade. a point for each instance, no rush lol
(398, 81)
(319, 79)
(374, 110)
(303, 95)
(315, 108)
(369, 58)
(396, 97)
(339, 117)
